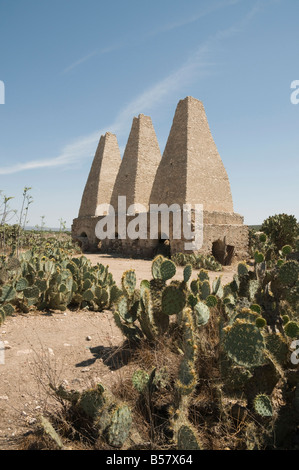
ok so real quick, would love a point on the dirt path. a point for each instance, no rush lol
(63, 347)
(143, 268)
(73, 347)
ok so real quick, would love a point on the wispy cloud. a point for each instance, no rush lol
(163, 29)
(85, 147)
(195, 17)
(198, 65)
(94, 53)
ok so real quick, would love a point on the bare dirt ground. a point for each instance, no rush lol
(78, 348)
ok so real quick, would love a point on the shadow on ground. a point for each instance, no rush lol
(113, 357)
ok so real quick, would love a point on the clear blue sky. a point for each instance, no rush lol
(74, 69)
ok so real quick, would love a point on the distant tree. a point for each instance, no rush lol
(282, 229)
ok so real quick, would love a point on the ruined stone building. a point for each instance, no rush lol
(189, 172)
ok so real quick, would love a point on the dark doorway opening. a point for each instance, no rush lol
(82, 241)
(222, 252)
(163, 247)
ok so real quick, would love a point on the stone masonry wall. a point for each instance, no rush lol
(191, 170)
(139, 164)
(102, 175)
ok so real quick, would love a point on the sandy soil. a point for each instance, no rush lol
(143, 268)
(79, 348)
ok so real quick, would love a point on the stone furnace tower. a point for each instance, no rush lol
(189, 172)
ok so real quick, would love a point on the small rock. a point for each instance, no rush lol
(31, 420)
(50, 351)
(88, 338)
(24, 351)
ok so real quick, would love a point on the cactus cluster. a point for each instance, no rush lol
(41, 283)
(160, 299)
(197, 261)
(110, 418)
(255, 319)
(145, 312)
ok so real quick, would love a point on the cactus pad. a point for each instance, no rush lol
(119, 427)
(187, 272)
(140, 380)
(187, 438)
(292, 329)
(173, 300)
(243, 342)
(263, 406)
(128, 282)
(288, 273)
(156, 266)
(202, 314)
(211, 301)
(167, 270)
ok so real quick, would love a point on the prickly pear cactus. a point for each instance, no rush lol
(7, 293)
(263, 406)
(211, 301)
(187, 438)
(203, 275)
(204, 289)
(288, 273)
(278, 347)
(187, 378)
(242, 270)
(91, 401)
(128, 282)
(115, 424)
(291, 329)
(140, 380)
(48, 430)
(167, 270)
(156, 266)
(187, 272)
(244, 343)
(173, 300)
(201, 314)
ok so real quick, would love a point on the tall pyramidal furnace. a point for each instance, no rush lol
(190, 172)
